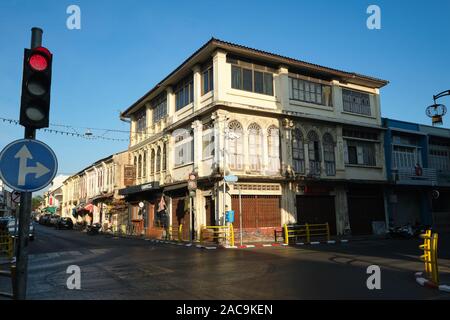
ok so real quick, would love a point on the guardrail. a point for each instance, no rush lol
(429, 247)
(305, 231)
(7, 249)
(216, 233)
(178, 230)
(6, 245)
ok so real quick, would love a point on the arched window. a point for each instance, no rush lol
(236, 150)
(152, 162)
(158, 160)
(328, 154)
(254, 146)
(144, 165)
(273, 143)
(135, 165)
(140, 166)
(298, 151)
(314, 153)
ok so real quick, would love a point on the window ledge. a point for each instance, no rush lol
(310, 105)
(208, 158)
(183, 165)
(184, 109)
(362, 166)
(251, 94)
(358, 114)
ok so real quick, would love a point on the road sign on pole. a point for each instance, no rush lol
(15, 197)
(27, 165)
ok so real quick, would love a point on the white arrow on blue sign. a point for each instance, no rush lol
(27, 165)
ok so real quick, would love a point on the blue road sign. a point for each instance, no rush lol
(27, 165)
(231, 179)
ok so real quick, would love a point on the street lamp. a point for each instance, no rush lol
(437, 110)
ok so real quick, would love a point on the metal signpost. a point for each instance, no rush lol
(192, 187)
(28, 165)
(231, 179)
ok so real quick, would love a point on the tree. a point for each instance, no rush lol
(36, 202)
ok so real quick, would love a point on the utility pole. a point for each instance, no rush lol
(25, 208)
(17, 158)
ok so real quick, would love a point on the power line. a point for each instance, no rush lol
(67, 133)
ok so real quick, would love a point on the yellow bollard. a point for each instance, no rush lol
(286, 234)
(180, 232)
(433, 258)
(307, 233)
(426, 247)
(231, 235)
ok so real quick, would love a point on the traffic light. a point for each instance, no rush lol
(36, 83)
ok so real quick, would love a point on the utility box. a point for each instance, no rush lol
(229, 216)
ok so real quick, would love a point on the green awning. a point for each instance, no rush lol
(51, 210)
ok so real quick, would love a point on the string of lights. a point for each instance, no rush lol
(88, 135)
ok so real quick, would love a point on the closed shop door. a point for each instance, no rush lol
(317, 209)
(180, 214)
(364, 207)
(210, 211)
(258, 211)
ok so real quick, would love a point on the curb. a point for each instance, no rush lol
(245, 246)
(429, 284)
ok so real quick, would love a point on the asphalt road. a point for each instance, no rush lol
(117, 268)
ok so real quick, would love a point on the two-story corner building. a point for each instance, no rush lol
(305, 141)
(409, 173)
(418, 168)
(92, 194)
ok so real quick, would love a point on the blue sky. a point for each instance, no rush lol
(126, 47)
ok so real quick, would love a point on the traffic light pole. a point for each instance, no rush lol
(20, 281)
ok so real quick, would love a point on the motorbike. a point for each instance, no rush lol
(93, 229)
(407, 231)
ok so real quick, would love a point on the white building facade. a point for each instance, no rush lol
(305, 141)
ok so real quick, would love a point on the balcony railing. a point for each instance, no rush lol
(427, 176)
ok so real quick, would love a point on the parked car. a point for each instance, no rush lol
(54, 219)
(45, 219)
(4, 223)
(13, 229)
(64, 223)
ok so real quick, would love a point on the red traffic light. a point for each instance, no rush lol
(39, 58)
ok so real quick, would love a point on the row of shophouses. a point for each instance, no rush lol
(307, 143)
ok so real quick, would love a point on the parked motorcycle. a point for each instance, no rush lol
(93, 229)
(407, 231)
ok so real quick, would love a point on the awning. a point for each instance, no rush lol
(139, 188)
(51, 210)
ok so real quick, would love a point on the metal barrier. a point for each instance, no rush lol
(6, 245)
(178, 230)
(429, 247)
(215, 233)
(306, 231)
